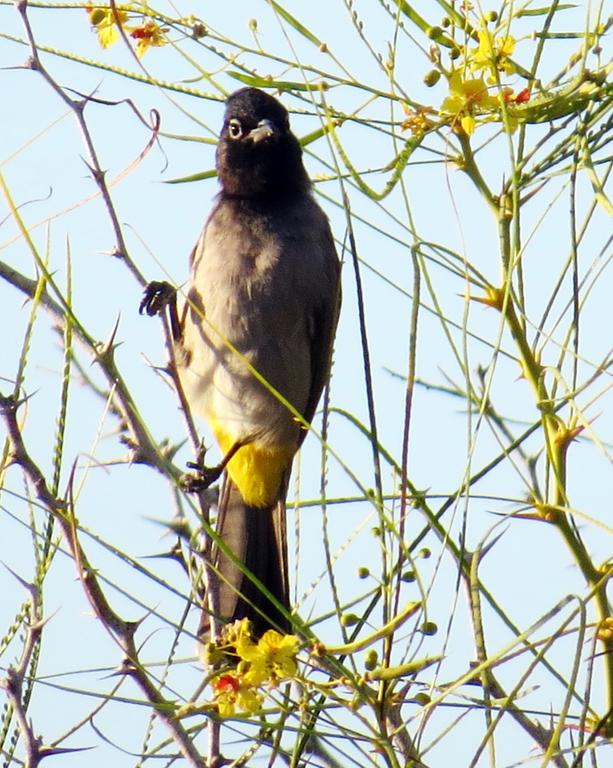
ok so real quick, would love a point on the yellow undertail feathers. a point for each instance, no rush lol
(256, 470)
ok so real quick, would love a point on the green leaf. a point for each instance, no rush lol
(309, 138)
(542, 11)
(407, 10)
(293, 22)
(195, 177)
(281, 85)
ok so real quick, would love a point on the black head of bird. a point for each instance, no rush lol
(258, 156)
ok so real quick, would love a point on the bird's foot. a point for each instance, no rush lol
(200, 478)
(157, 296)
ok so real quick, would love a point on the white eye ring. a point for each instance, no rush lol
(235, 129)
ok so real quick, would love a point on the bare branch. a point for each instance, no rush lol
(122, 631)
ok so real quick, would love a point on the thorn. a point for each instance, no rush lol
(485, 550)
(494, 298)
(531, 194)
(178, 526)
(31, 588)
(48, 751)
(107, 349)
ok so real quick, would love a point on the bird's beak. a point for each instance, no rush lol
(266, 129)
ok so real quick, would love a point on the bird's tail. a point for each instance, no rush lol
(257, 538)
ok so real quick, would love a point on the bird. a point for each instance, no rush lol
(254, 344)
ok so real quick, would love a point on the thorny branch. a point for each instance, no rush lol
(13, 685)
(93, 163)
(144, 449)
(122, 631)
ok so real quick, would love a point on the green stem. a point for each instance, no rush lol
(469, 166)
(558, 437)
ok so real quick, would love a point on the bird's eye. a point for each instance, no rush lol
(235, 129)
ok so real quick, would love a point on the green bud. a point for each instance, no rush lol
(424, 553)
(211, 654)
(434, 33)
(363, 572)
(429, 628)
(432, 77)
(446, 22)
(455, 53)
(376, 531)
(408, 576)
(96, 16)
(372, 658)
(349, 619)
(490, 16)
(422, 699)
(253, 25)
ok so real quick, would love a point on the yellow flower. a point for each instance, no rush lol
(104, 22)
(417, 120)
(148, 34)
(272, 659)
(468, 124)
(493, 54)
(235, 632)
(467, 97)
(232, 695)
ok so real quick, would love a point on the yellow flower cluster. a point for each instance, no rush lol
(106, 22)
(475, 90)
(417, 120)
(492, 55)
(467, 97)
(253, 665)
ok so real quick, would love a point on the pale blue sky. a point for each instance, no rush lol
(529, 570)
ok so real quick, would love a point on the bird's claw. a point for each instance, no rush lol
(156, 297)
(201, 478)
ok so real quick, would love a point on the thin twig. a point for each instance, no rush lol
(122, 631)
(13, 685)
